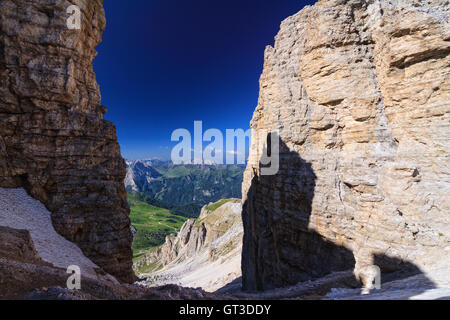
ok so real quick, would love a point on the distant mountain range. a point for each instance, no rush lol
(183, 187)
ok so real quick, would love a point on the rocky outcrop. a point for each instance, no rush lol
(53, 139)
(359, 93)
(34, 260)
(18, 211)
(206, 252)
(28, 278)
(17, 245)
(140, 174)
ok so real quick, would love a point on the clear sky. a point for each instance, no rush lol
(164, 64)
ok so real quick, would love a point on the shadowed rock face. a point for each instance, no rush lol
(359, 92)
(53, 139)
(17, 245)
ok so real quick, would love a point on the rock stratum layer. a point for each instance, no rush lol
(359, 92)
(53, 139)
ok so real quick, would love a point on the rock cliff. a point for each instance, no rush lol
(53, 139)
(359, 92)
(206, 252)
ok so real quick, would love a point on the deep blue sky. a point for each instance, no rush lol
(165, 63)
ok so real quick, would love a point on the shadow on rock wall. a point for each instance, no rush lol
(279, 249)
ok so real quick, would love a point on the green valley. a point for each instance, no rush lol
(152, 225)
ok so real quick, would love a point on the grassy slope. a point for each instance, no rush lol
(218, 204)
(153, 225)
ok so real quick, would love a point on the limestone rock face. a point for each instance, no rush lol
(360, 94)
(53, 139)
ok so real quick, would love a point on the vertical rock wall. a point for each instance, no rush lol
(53, 139)
(360, 93)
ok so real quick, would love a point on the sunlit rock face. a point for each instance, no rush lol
(359, 92)
(53, 139)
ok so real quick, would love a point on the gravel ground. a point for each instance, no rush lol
(419, 287)
(19, 211)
